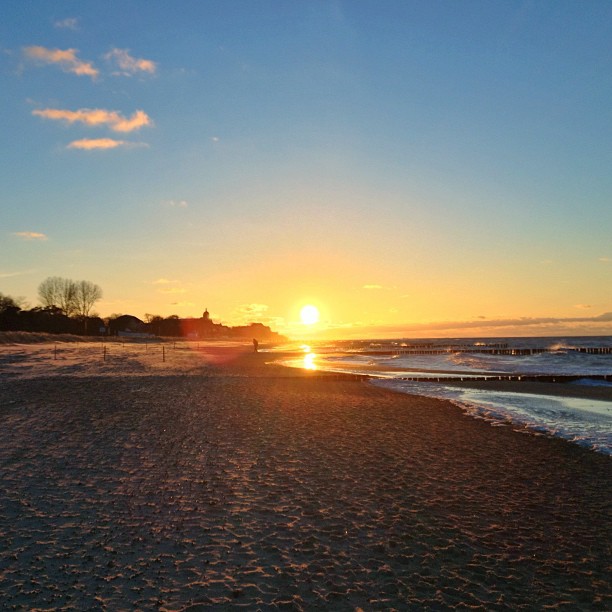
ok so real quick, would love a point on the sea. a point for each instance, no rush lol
(429, 367)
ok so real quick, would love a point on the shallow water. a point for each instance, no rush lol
(584, 421)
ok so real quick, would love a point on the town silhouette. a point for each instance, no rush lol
(66, 306)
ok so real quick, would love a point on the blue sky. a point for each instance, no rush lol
(398, 164)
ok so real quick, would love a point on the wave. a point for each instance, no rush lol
(586, 422)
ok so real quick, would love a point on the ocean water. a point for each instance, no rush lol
(428, 367)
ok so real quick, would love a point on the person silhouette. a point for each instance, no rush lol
(255, 345)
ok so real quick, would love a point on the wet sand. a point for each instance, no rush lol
(253, 486)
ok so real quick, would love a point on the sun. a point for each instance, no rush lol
(309, 314)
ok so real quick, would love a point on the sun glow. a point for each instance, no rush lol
(309, 314)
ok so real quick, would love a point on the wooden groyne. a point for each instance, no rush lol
(549, 378)
(486, 350)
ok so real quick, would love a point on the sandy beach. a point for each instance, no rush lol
(210, 479)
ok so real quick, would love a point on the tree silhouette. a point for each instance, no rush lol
(86, 294)
(9, 313)
(57, 292)
(8, 303)
(71, 297)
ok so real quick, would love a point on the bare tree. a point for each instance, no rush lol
(71, 297)
(48, 292)
(58, 292)
(86, 294)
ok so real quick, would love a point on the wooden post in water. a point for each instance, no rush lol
(163, 353)
(55, 352)
(104, 353)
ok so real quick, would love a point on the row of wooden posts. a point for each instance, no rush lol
(105, 350)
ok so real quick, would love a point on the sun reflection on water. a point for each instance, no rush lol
(309, 358)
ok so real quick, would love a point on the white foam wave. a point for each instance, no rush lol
(584, 421)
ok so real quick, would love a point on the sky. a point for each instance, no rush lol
(411, 168)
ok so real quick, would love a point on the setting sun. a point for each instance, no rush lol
(309, 315)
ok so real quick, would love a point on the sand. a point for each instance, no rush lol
(213, 480)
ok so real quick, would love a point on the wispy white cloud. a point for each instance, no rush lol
(176, 290)
(583, 306)
(245, 314)
(605, 259)
(251, 313)
(66, 59)
(176, 203)
(30, 235)
(128, 65)
(70, 23)
(164, 281)
(377, 287)
(13, 274)
(97, 117)
(89, 144)
(169, 286)
(251, 309)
